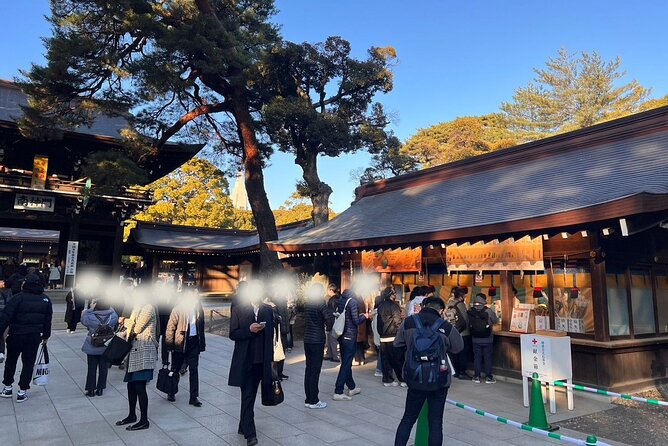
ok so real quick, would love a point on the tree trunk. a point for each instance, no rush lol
(257, 196)
(319, 191)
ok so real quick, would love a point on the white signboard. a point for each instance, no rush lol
(71, 259)
(26, 202)
(550, 358)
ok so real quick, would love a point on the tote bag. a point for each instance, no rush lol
(40, 374)
(273, 396)
(116, 351)
(340, 322)
(168, 381)
(279, 354)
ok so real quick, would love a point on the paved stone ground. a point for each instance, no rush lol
(60, 414)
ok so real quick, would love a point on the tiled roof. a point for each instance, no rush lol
(11, 100)
(559, 181)
(174, 238)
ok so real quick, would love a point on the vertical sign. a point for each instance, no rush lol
(40, 166)
(71, 259)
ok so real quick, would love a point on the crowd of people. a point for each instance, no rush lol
(420, 345)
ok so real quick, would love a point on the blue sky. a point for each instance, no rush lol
(456, 58)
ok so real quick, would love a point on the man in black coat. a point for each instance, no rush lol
(389, 321)
(28, 316)
(251, 329)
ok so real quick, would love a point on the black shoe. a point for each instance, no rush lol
(251, 441)
(127, 420)
(195, 402)
(139, 426)
(464, 376)
(282, 376)
(99, 392)
(334, 360)
(171, 398)
(121, 367)
(89, 393)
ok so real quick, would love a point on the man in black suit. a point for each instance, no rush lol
(251, 329)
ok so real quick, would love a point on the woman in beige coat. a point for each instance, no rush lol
(140, 363)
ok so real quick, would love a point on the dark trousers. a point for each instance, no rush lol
(332, 345)
(414, 401)
(393, 360)
(191, 358)
(164, 352)
(314, 356)
(345, 376)
(460, 361)
(2, 341)
(248, 394)
(72, 326)
(96, 364)
(482, 352)
(25, 346)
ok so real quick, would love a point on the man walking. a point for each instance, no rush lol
(251, 329)
(184, 337)
(389, 321)
(28, 316)
(428, 339)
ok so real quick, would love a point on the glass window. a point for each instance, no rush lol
(573, 307)
(662, 299)
(618, 310)
(642, 302)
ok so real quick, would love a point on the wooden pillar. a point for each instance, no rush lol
(506, 299)
(118, 251)
(599, 296)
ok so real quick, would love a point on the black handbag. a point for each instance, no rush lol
(116, 351)
(275, 396)
(168, 381)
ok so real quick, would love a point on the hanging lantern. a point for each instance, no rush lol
(492, 288)
(537, 292)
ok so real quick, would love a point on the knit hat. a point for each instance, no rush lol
(480, 299)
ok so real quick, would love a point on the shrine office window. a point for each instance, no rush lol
(572, 294)
(661, 284)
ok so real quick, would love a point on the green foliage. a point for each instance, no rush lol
(654, 103)
(573, 91)
(196, 194)
(111, 170)
(242, 219)
(390, 161)
(455, 140)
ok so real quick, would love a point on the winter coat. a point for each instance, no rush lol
(241, 318)
(54, 273)
(285, 313)
(91, 322)
(318, 319)
(144, 352)
(406, 334)
(178, 327)
(389, 320)
(353, 318)
(28, 312)
(15, 282)
(74, 307)
(463, 312)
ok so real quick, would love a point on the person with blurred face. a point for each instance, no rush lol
(333, 298)
(251, 329)
(184, 337)
(99, 313)
(318, 319)
(348, 344)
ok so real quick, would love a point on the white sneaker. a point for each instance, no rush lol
(392, 384)
(355, 391)
(341, 397)
(318, 405)
(378, 374)
(68, 331)
(403, 384)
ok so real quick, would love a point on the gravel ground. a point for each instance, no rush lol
(630, 422)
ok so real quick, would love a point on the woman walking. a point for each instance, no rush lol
(141, 331)
(348, 345)
(318, 319)
(100, 313)
(73, 310)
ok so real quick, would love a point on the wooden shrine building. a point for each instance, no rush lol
(575, 226)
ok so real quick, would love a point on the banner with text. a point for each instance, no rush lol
(392, 261)
(508, 255)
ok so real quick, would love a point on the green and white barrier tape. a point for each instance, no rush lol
(614, 394)
(525, 427)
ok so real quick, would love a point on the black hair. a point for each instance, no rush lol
(435, 303)
(101, 304)
(414, 293)
(459, 292)
(333, 287)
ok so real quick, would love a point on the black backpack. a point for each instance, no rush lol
(479, 323)
(426, 367)
(102, 333)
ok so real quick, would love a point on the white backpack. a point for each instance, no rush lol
(340, 322)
